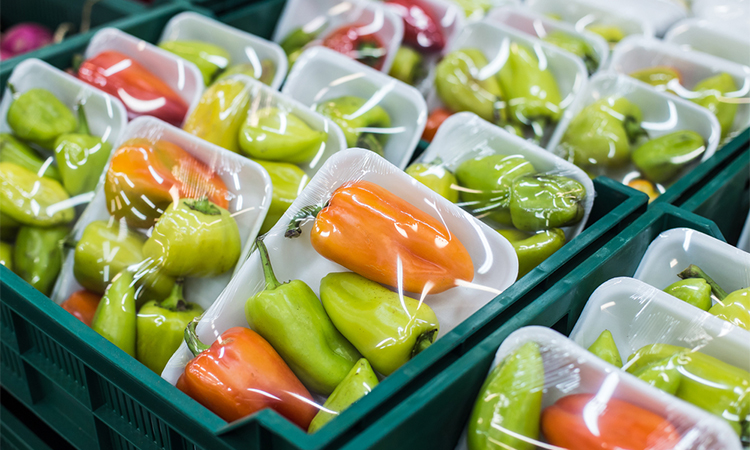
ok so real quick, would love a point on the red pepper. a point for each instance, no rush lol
(365, 48)
(436, 118)
(421, 28)
(142, 92)
(82, 304)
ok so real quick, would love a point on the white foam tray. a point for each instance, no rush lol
(582, 13)
(707, 37)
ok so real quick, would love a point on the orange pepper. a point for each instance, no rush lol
(373, 232)
(82, 304)
(435, 119)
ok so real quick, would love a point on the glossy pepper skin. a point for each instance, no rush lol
(38, 116)
(510, 399)
(386, 328)
(209, 58)
(422, 29)
(712, 91)
(661, 159)
(115, 317)
(294, 43)
(82, 305)
(273, 134)
(660, 77)
(407, 65)
(533, 249)
(14, 151)
(239, 374)
(436, 177)
(144, 172)
(38, 256)
(605, 348)
(344, 112)
(368, 217)
(6, 255)
(610, 33)
(292, 319)
(734, 308)
(29, 199)
(263, 72)
(160, 328)
(288, 181)
(142, 92)
(365, 48)
(541, 202)
(434, 120)
(694, 291)
(576, 46)
(220, 114)
(194, 238)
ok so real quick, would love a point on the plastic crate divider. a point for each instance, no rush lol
(7, 327)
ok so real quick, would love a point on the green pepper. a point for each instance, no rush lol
(358, 382)
(533, 248)
(194, 238)
(6, 255)
(660, 159)
(220, 114)
(275, 135)
(605, 348)
(610, 33)
(288, 181)
(38, 116)
(358, 125)
(210, 59)
(659, 77)
(508, 408)
(437, 178)
(663, 374)
(38, 256)
(160, 328)
(541, 202)
(115, 317)
(14, 151)
(694, 291)
(486, 183)
(474, 9)
(407, 65)
(8, 227)
(264, 72)
(463, 86)
(734, 308)
(295, 41)
(291, 318)
(576, 46)
(33, 200)
(712, 91)
(387, 328)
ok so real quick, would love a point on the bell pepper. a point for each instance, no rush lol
(506, 412)
(436, 177)
(239, 374)
(422, 29)
(14, 151)
(434, 120)
(359, 127)
(541, 202)
(386, 327)
(659, 77)
(734, 308)
(486, 183)
(294, 43)
(694, 291)
(263, 72)
(38, 116)
(142, 175)
(160, 328)
(397, 244)
(612, 34)
(33, 200)
(588, 422)
(711, 96)
(475, 9)
(359, 382)
(292, 319)
(220, 114)
(407, 65)
(209, 58)
(6, 255)
(82, 305)
(662, 158)
(38, 256)
(576, 46)
(663, 374)
(365, 48)
(463, 85)
(115, 316)
(533, 248)
(605, 348)
(646, 187)
(288, 181)
(273, 134)
(142, 92)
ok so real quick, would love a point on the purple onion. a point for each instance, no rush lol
(5, 55)
(24, 37)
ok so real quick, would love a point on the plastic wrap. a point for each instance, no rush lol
(661, 14)
(463, 263)
(363, 30)
(626, 130)
(744, 242)
(374, 111)
(544, 391)
(57, 136)
(708, 37)
(493, 175)
(732, 15)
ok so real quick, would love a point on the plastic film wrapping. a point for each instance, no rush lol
(709, 37)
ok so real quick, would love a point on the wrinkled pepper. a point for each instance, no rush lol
(365, 48)
(434, 120)
(6, 255)
(576, 46)
(288, 181)
(38, 256)
(661, 159)
(712, 93)
(82, 305)
(359, 127)
(30, 199)
(273, 134)
(38, 116)
(263, 71)
(422, 29)
(659, 77)
(605, 348)
(541, 202)
(209, 58)
(407, 65)
(115, 317)
(533, 248)
(14, 151)
(694, 291)
(436, 177)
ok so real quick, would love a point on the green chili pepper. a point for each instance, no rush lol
(358, 125)
(659, 77)
(38, 116)
(288, 181)
(407, 65)
(660, 159)
(115, 317)
(358, 382)
(663, 374)
(275, 135)
(541, 202)
(6, 255)
(533, 248)
(33, 200)
(712, 91)
(695, 291)
(210, 59)
(605, 348)
(194, 238)
(38, 256)
(291, 318)
(295, 41)
(734, 308)
(14, 151)
(264, 72)
(437, 178)
(388, 329)
(576, 46)
(160, 328)
(508, 408)
(610, 33)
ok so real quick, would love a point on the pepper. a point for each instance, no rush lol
(359, 382)
(38, 256)
(14, 151)
(294, 43)
(533, 248)
(263, 71)
(434, 120)
(6, 255)
(662, 158)
(82, 305)
(711, 96)
(591, 422)
(288, 181)
(365, 48)
(8, 227)
(239, 374)
(540, 202)
(387, 328)
(436, 177)
(463, 84)
(142, 92)
(209, 58)
(605, 348)
(273, 134)
(220, 114)
(610, 33)
(475, 9)
(407, 65)
(663, 374)
(292, 319)
(397, 244)
(142, 174)
(422, 29)
(359, 126)
(486, 182)
(660, 77)
(32, 200)
(38, 116)
(694, 291)
(646, 187)
(576, 46)
(734, 308)
(115, 316)
(506, 412)
(160, 328)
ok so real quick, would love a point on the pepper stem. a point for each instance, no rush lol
(83, 123)
(13, 90)
(194, 344)
(423, 341)
(633, 129)
(294, 229)
(694, 271)
(175, 301)
(370, 142)
(271, 281)
(203, 206)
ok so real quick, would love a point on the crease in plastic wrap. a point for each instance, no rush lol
(366, 270)
(546, 392)
(535, 199)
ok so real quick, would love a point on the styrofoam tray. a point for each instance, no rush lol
(322, 74)
(246, 179)
(661, 14)
(180, 75)
(582, 13)
(732, 15)
(707, 37)
(465, 135)
(242, 47)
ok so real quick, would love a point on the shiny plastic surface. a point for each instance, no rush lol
(709, 37)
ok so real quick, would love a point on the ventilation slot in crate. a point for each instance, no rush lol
(57, 363)
(11, 361)
(142, 423)
(7, 329)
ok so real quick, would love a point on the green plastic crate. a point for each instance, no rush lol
(20, 429)
(258, 18)
(435, 415)
(223, 6)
